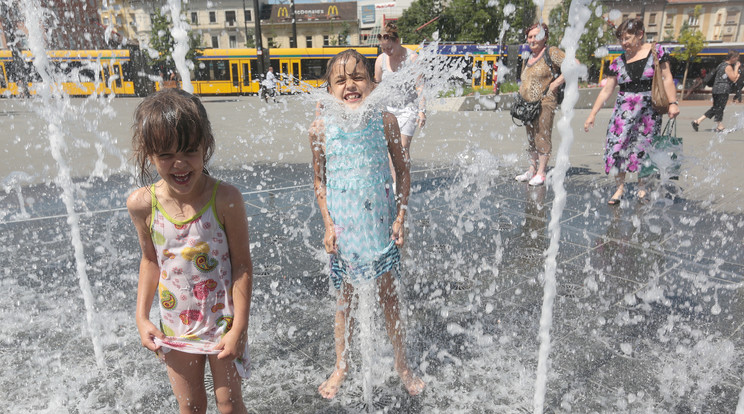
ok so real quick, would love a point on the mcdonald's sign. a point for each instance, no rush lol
(283, 12)
(332, 10)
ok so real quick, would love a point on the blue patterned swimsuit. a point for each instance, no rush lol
(361, 202)
(633, 122)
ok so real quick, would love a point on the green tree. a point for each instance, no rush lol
(692, 43)
(595, 35)
(472, 21)
(162, 41)
(416, 15)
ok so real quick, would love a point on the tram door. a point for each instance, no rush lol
(483, 72)
(235, 77)
(117, 85)
(245, 76)
(285, 75)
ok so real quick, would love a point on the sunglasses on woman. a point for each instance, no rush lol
(386, 37)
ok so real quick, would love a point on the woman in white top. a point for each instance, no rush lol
(408, 107)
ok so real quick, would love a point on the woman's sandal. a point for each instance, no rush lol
(642, 196)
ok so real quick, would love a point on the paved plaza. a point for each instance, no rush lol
(648, 314)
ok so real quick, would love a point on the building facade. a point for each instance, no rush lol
(719, 21)
(68, 24)
(316, 24)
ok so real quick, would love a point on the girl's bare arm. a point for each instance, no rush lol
(317, 146)
(140, 209)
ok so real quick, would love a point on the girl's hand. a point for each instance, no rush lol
(232, 345)
(148, 331)
(673, 111)
(589, 123)
(421, 120)
(329, 240)
(398, 230)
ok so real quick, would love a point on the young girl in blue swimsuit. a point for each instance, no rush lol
(363, 209)
(193, 233)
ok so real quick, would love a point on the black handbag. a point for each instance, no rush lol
(525, 111)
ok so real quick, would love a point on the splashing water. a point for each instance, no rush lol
(578, 16)
(54, 103)
(180, 32)
(645, 315)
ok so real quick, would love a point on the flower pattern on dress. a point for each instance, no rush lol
(633, 122)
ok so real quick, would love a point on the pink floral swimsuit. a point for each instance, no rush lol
(195, 289)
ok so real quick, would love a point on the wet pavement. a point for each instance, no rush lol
(648, 315)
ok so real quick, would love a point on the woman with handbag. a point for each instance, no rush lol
(634, 120)
(540, 82)
(726, 74)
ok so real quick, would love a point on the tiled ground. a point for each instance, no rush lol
(648, 316)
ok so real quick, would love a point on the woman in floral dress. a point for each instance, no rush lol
(633, 122)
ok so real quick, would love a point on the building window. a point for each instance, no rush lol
(230, 17)
(270, 41)
(247, 15)
(670, 19)
(215, 42)
(625, 17)
(308, 41)
(652, 19)
(233, 42)
(732, 17)
(212, 17)
(326, 41)
(194, 18)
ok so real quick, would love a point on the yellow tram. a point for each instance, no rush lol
(79, 72)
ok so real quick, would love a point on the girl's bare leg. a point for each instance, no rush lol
(394, 326)
(341, 335)
(186, 374)
(227, 391)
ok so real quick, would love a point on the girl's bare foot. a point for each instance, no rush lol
(413, 384)
(329, 387)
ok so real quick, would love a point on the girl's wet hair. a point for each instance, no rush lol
(344, 57)
(391, 28)
(632, 27)
(536, 25)
(167, 118)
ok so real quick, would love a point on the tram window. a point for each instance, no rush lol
(126, 70)
(3, 80)
(246, 75)
(87, 75)
(312, 69)
(254, 69)
(274, 64)
(295, 73)
(213, 70)
(488, 69)
(106, 75)
(117, 72)
(220, 71)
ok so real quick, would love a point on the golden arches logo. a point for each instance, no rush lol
(282, 12)
(333, 10)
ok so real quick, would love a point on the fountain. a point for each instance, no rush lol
(646, 299)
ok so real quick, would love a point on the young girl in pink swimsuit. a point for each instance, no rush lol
(193, 232)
